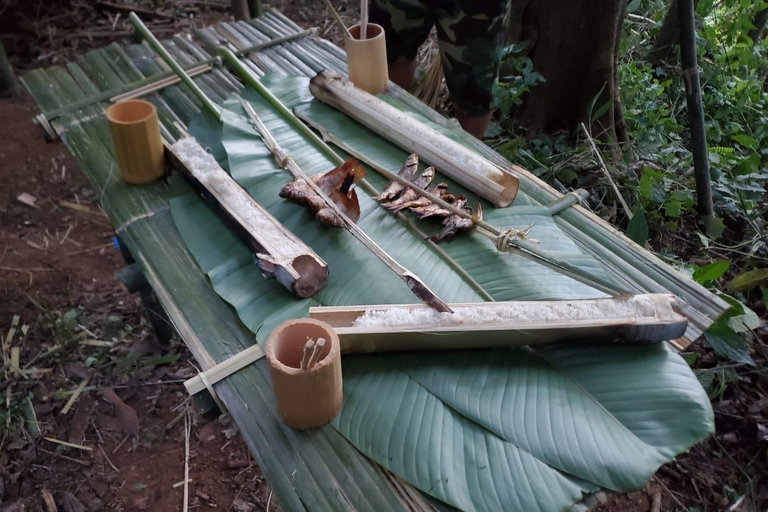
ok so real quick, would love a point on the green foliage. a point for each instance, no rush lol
(655, 173)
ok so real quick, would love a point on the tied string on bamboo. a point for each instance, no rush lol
(504, 238)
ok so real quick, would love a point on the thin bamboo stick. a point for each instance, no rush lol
(414, 283)
(331, 8)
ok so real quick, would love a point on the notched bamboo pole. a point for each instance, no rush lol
(489, 181)
(414, 283)
(278, 252)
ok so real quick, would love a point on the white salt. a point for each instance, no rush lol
(516, 313)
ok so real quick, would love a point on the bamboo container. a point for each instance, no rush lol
(305, 398)
(136, 137)
(367, 59)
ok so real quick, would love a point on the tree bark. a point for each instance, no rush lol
(8, 86)
(573, 44)
(757, 33)
(240, 10)
(668, 36)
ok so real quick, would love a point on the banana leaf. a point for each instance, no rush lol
(482, 430)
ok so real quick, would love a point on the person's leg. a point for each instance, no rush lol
(471, 37)
(406, 26)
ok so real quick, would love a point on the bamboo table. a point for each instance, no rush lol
(316, 470)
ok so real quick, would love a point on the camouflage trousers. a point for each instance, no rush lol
(470, 37)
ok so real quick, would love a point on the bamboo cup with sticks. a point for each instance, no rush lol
(304, 358)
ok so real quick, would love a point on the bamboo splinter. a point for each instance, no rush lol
(414, 283)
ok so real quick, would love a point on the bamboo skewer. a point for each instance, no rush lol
(509, 240)
(316, 353)
(307, 356)
(363, 20)
(414, 283)
(338, 18)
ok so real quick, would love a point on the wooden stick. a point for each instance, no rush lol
(225, 369)
(71, 445)
(363, 20)
(318, 350)
(338, 18)
(414, 283)
(308, 353)
(187, 431)
(616, 190)
(74, 396)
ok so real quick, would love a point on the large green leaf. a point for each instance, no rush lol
(482, 430)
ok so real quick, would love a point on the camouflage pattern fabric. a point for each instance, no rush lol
(470, 38)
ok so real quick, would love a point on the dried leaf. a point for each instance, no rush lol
(129, 420)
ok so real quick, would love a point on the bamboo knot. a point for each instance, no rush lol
(505, 237)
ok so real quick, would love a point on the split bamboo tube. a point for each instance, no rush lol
(307, 398)
(367, 59)
(136, 137)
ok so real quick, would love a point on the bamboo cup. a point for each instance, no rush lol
(305, 398)
(367, 59)
(136, 137)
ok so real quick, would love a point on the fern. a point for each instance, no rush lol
(720, 150)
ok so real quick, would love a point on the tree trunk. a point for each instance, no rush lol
(240, 10)
(668, 36)
(757, 33)
(8, 87)
(573, 44)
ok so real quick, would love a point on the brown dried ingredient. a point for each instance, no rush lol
(337, 185)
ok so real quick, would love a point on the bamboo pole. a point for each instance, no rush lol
(175, 66)
(414, 283)
(695, 110)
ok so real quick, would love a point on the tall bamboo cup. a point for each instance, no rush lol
(136, 137)
(367, 59)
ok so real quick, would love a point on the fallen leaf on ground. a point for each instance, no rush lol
(129, 420)
(27, 199)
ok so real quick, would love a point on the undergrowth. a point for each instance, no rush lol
(655, 174)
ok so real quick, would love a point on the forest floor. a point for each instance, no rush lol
(58, 265)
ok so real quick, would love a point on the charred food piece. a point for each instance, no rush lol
(394, 188)
(438, 190)
(423, 181)
(455, 223)
(337, 185)
(433, 209)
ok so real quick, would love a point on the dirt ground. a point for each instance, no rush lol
(57, 276)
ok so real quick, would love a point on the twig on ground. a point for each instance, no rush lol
(187, 430)
(616, 190)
